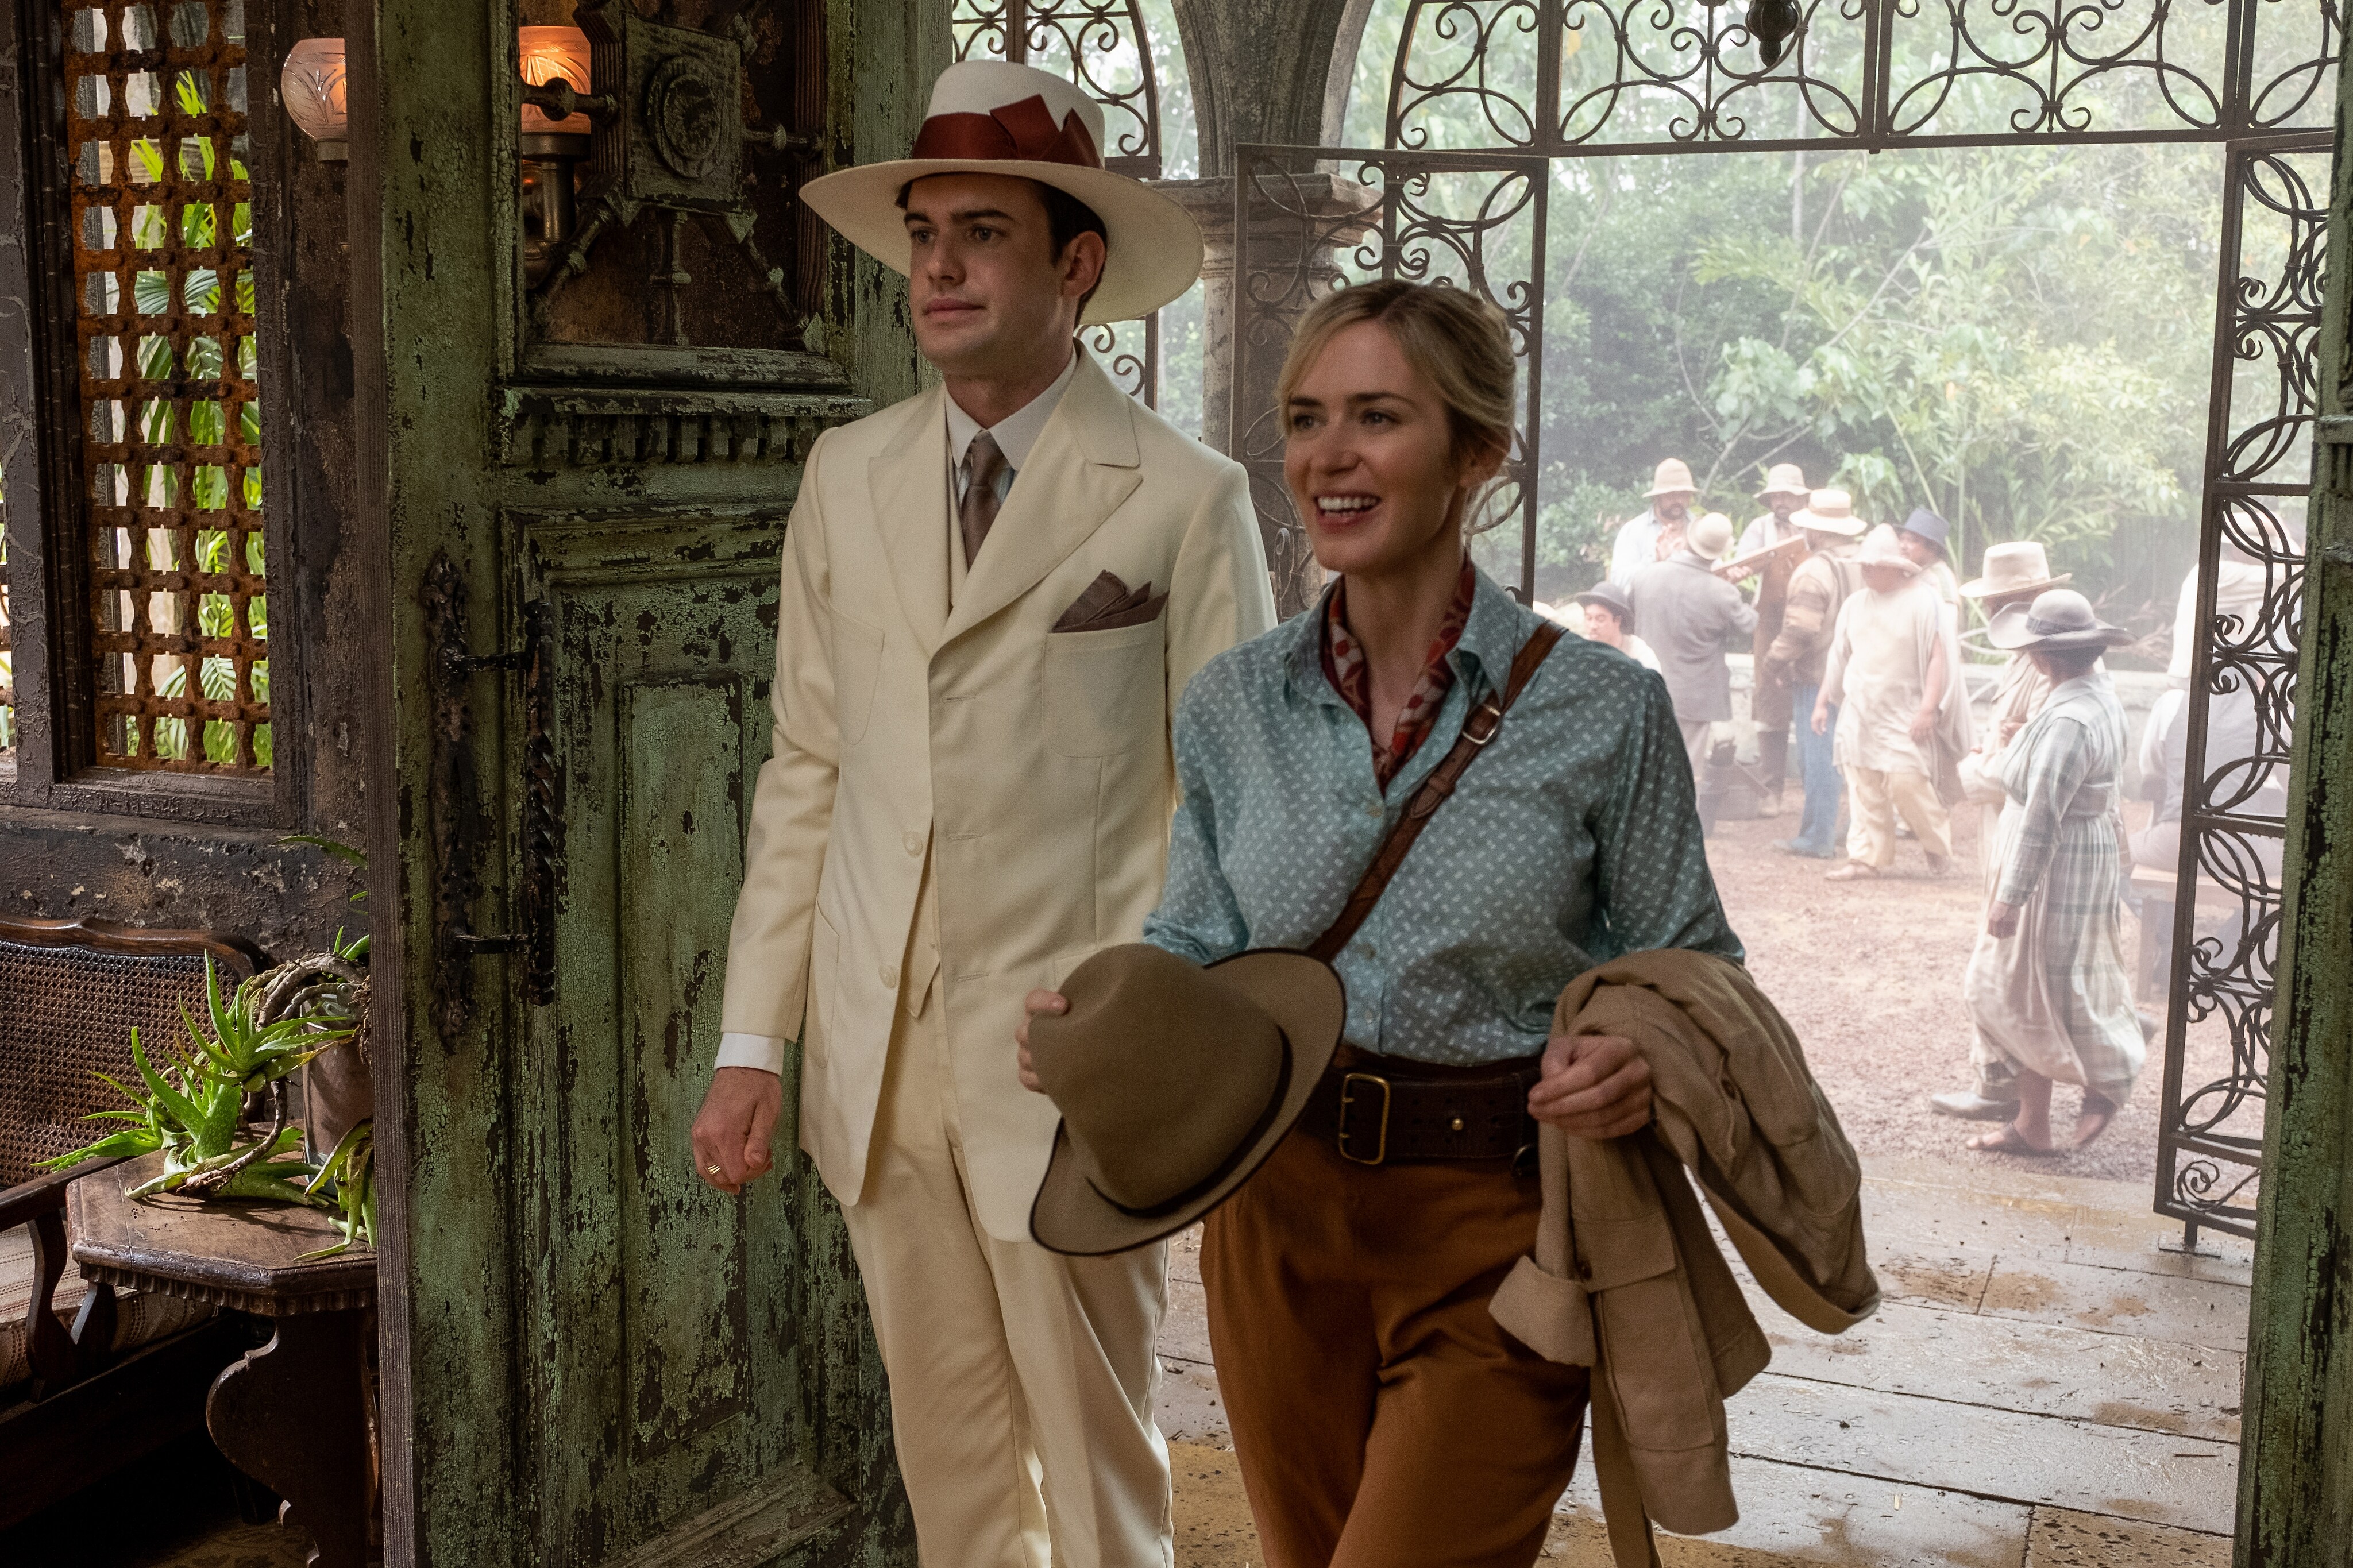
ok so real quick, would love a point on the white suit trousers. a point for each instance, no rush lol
(1021, 1380)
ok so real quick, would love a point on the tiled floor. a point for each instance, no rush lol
(2045, 1385)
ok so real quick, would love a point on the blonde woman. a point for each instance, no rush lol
(1379, 1414)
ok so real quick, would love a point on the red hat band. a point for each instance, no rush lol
(1016, 132)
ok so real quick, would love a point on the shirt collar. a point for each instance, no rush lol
(1491, 639)
(1017, 433)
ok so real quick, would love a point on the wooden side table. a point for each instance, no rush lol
(296, 1413)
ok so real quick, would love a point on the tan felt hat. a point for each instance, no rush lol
(1785, 479)
(1710, 536)
(1673, 477)
(2017, 567)
(2059, 620)
(989, 117)
(1174, 1083)
(1830, 511)
(1880, 548)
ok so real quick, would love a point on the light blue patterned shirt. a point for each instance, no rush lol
(1573, 838)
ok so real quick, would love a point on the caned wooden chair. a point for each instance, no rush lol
(90, 1378)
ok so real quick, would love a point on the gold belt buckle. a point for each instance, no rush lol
(1347, 1097)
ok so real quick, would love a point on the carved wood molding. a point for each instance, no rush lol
(537, 429)
(260, 1302)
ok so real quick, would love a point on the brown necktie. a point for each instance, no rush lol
(986, 463)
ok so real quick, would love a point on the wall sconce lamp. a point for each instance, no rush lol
(678, 150)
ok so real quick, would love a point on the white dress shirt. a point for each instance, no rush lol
(1017, 437)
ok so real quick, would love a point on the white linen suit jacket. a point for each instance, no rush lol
(1031, 767)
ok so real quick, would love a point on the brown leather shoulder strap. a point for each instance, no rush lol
(1477, 731)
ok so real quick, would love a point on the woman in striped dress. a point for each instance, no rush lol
(2047, 986)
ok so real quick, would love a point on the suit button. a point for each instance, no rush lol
(888, 974)
(914, 843)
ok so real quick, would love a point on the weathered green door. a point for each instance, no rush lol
(581, 437)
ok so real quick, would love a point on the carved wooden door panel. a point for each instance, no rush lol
(583, 425)
(667, 1332)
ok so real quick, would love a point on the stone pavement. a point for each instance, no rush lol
(2045, 1386)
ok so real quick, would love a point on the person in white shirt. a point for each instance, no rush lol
(1657, 532)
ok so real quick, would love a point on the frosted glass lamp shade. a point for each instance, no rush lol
(312, 86)
(548, 53)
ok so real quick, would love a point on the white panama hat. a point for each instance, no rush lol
(989, 117)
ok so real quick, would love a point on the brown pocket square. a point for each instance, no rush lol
(1109, 604)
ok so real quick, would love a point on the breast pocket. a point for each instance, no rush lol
(857, 670)
(1106, 692)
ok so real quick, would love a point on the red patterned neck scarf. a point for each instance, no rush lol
(1345, 667)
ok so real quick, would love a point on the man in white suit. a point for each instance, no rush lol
(993, 594)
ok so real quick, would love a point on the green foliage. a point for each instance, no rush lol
(350, 1170)
(190, 1106)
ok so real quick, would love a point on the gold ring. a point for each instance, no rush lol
(711, 1170)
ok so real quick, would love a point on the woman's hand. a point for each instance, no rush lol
(1594, 1085)
(2001, 920)
(1037, 1002)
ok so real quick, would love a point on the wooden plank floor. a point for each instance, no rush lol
(2046, 1386)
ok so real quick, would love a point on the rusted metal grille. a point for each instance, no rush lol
(162, 224)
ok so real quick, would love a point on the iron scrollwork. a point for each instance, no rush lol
(1311, 220)
(1565, 77)
(2242, 689)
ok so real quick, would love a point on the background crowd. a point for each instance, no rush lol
(1856, 636)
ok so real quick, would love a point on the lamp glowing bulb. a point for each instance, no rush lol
(548, 53)
(311, 83)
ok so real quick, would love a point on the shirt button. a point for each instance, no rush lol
(889, 974)
(1371, 952)
(915, 844)
(1372, 808)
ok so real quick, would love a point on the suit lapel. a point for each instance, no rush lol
(1084, 465)
(908, 483)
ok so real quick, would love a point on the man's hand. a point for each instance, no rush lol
(733, 1129)
(1594, 1085)
(1037, 1002)
(2001, 920)
(1923, 724)
(1821, 719)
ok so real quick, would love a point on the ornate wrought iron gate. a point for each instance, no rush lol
(1579, 78)
(2242, 715)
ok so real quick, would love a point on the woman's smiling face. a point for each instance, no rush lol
(1369, 458)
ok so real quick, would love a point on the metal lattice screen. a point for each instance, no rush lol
(161, 226)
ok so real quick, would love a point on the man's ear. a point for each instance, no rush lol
(1082, 264)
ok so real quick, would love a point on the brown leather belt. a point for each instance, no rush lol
(1382, 1109)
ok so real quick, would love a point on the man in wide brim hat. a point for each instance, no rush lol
(1800, 654)
(1771, 692)
(990, 118)
(953, 814)
(2059, 620)
(1659, 529)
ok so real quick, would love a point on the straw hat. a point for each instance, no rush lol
(989, 117)
(2017, 567)
(2059, 620)
(1830, 511)
(1174, 1083)
(1673, 477)
(1785, 479)
(1709, 537)
(1880, 549)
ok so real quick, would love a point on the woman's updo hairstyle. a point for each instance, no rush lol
(1461, 341)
